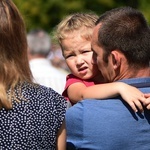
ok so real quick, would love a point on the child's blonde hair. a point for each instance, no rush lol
(76, 22)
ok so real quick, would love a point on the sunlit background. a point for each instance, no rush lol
(47, 14)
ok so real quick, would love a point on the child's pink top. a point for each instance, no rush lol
(73, 79)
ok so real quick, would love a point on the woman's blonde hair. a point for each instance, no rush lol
(76, 22)
(14, 65)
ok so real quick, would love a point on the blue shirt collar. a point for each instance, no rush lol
(137, 82)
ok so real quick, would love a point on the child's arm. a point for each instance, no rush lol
(131, 95)
(75, 91)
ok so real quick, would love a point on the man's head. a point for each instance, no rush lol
(121, 43)
(39, 43)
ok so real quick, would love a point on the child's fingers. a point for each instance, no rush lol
(132, 105)
(142, 99)
(148, 106)
(136, 105)
(147, 95)
(146, 102)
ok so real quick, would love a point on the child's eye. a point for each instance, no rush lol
(86, 51)
(68, 56)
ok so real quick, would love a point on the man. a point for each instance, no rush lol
(121, 47)
(44, 73)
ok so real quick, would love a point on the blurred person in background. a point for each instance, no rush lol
(44, 73)
(57, 59)
(31, 115)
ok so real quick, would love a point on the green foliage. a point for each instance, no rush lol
(47, 14)
(144, 6)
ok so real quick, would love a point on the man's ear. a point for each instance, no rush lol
(116, 59)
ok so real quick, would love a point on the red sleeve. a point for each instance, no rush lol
(70, 79)
(73, 79)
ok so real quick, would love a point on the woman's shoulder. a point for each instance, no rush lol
(40, 92)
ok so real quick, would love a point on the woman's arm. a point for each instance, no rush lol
(61, 137)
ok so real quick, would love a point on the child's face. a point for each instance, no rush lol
(78, 54)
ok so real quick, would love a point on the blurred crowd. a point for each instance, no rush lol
(57, 59)
(46, 61)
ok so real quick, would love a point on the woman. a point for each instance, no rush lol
(31, 115)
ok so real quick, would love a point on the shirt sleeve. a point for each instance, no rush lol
(70, 80)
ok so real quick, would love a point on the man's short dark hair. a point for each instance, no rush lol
(127, 30)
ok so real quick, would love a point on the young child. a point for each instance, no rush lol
(74, 34)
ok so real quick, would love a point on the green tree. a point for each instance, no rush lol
(48, 13)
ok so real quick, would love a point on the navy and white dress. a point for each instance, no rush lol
(33, 123)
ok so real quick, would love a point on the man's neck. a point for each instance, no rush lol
(133, 73)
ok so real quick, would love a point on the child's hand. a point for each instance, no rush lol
(147, 102)
(134, 97)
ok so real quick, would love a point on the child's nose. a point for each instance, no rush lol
(79, 60)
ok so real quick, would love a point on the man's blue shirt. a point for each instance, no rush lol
(109, 124)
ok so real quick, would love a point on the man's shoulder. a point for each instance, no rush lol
(100, 107)
(94, 105)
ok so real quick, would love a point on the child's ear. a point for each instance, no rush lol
(116, 58)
